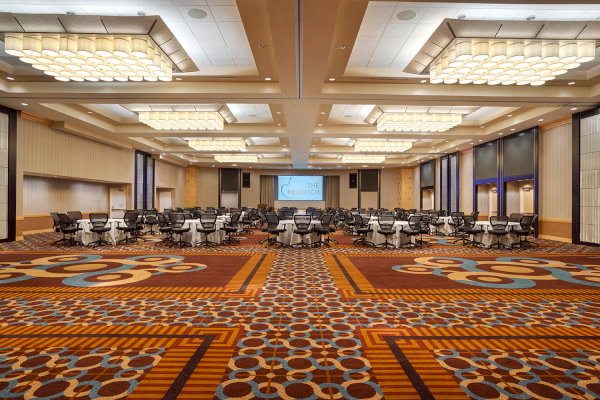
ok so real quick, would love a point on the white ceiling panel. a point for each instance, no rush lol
(350, 110)
(384, 41)
(221, 30)
(250, 110)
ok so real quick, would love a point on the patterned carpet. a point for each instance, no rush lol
(242, 322)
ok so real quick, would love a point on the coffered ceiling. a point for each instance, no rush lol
(298, 81)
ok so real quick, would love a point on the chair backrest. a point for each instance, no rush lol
(443, 213)
(317, 214)
(412, 211)
(457, 218)
(211, 211)
(526, 222)
(386, 222)
(64, 221)
(515, 217)
(498, 221)
(188, 215)
(162, 220)
(326, 219)
(74, 216)
(350, 217)
(434, 216)
(208, 221)
(272, 220)
(359, 221)
(56, 219)
(235, 218)
(221, 211)
(130, 219)
(177, 220)
(302, 221)
(469, 221)
(475, 215)
(414, 221)
(98, 220)
(280, 213)
(179, 209)
(288, 214)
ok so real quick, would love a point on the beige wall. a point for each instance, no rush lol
(416, 194)
(173, 177)
(389, 188)
(43, 150)
(555, 173)
(465, 182)
(42, 195)
(368, 199)
(207, 184)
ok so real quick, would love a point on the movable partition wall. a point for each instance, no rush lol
(368, 189)
(144, 181)
(586, 177)
(506, 175)
(8, 174)
(427, 182)
(229, 187)
(449, 193)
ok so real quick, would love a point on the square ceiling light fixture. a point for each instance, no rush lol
(428, 122)
(505, 52)
(380, 145)
(237, 158)
(184, 121)
(94, 58)
(362, 159)
(218, 145)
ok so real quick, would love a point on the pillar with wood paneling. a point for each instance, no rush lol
(191, 189)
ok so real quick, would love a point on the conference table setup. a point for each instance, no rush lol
(398, 239)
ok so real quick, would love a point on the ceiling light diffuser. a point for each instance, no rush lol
(387, 146)
(183, 120)
(241, 158)
(509, 62)
(218, 145)
(362, 159)
(91, 58)
(418, 122)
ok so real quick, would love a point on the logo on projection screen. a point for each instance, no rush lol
(301, 187)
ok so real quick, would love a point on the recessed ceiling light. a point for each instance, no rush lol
(509, 115)
(89, 112)
(320, 124)
(278, 112)
(447, 141)
(284, 145)
(322, 113)
(482, 126)
(23, 104)
(481, 140)
(571, 83)
(341, 47)
(472, 143)
(406, 15)
(572, 109)
(262, 46)
(177, 79)
(540, 119)
(512, 129)
(10, 78)
(424, 80)
(196, 13)
(332, 79)
(500, 133)
(267, 79)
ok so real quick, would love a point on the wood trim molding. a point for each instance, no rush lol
(556, 123)
(556, 238)
(35, 118)
(564, 221)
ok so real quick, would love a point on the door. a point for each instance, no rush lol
(164, 200)
(118, 202)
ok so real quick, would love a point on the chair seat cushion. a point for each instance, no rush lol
(71, 229)
(165, 229)
(181, 230)
(102, 229)
(206, 230)
(277, 231)
(386, 232)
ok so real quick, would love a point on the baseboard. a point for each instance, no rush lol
(556, 238)
(38, 231)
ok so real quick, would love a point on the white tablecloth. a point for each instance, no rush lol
(289, 237)
(194, 237)
(487, 238)
(113, 235)
(397, 239)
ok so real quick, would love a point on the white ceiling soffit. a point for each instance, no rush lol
(250, 110)
(451, 29)
(374, 115)
(117, 109)
(221, 108)
(482, 113)
(152, 26)
(350, 110)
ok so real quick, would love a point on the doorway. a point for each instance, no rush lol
(118, 202)
(165, 199)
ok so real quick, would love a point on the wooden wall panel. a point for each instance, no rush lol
(465, 182)
(173, 177)
(405, 194)
(389, 188)
(416, 188)
(191, 188)
(42, 195)
(43, 150)
(208, 187)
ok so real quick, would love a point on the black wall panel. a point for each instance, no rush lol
(230, 179)
(369, 180)
(486, 161)
(518, 154)
(428, 174)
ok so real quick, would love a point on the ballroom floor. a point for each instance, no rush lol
(241, 322)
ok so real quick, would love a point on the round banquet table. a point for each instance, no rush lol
(289, 237)
(86, 236)
(399, 238)
(487, 238)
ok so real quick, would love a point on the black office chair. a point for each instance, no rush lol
(413, 229)
(317, 214)
(56, 228)
(455, 222)
(436, 222)
(498, 227)
(272, 229)
(412, 211)
(471, 228)
(424, 230)
(247, 222)
(323, 229)
(98, 221)
(151, 219)
(231, 228)
(302, 227)
(74, 216)
(524, 229)
(129, 227)
(349, 223)
(68, 228)
(221, 211)
(515, 217)
(443, 213)
(208, 225)
(362, 229)
(178, 227)
(287, 214)
(263, 226)
(164, 227)
(386, 228)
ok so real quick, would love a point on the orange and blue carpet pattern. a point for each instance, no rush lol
(243, 322)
